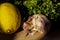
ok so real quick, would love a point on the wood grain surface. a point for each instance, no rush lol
(54, 35)
(22, 36)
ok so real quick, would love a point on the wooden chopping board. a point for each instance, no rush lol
(22, 36)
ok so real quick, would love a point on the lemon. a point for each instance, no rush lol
(10, 18)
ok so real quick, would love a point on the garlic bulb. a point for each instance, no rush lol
(36, 23)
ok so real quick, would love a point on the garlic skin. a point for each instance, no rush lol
(36, 23)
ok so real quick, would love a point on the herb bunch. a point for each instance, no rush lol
(46, 7)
